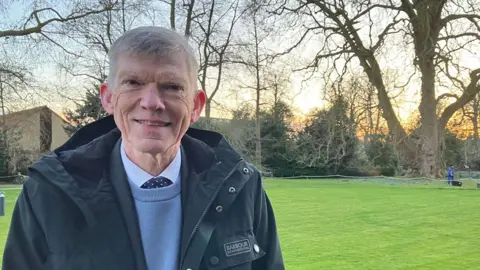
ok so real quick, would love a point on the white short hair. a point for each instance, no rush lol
(154, 41)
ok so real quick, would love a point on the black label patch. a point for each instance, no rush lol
(237, 247)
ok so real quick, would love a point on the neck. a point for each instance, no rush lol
(154, 164)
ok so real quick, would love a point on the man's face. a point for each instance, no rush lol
(153, 101)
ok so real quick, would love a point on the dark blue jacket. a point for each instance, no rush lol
(76, 211)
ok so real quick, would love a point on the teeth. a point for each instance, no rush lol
(149, 123)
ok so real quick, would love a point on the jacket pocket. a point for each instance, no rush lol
(234, 252)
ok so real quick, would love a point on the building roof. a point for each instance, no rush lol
(14, 118)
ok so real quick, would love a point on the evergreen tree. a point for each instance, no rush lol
(277, 143)
(86, 111)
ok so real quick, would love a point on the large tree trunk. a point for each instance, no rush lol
(430, 156)
(476, 106)
(426, 28)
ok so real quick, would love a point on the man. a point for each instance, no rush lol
(450, 174)
(139, 189)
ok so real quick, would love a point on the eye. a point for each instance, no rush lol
(171, 86)
(131, 82)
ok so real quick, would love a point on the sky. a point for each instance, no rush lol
(304, 95)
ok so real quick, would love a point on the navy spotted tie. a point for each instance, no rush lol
(157, 182)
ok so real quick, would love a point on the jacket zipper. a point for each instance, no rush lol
(205, 212)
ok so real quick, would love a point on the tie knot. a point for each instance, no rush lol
(157, 182)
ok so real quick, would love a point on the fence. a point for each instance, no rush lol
(13, 179)
(473, 177)
(468, 182)
(468, 174)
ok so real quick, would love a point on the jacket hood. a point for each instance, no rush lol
(79, 164)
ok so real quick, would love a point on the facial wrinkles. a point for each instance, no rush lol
(117, 95)
(185, 99)
(186, 116)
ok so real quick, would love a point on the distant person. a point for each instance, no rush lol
(450, 174)
(139, 189)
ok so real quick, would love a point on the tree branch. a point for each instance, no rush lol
(454, 17)
(385, 32)
(475, 35)
(60, 46)
(40, 25)
(446, 95)
(468, 95)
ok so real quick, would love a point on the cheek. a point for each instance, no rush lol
(188, 102)
(182, 105)
(117, 99)
(124, 101)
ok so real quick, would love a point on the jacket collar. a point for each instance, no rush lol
(202, 146)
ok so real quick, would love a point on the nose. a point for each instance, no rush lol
(151, 99)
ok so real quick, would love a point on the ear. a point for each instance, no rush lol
(198, 104)
(106, 98)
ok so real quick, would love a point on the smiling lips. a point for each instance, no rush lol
(154, 123)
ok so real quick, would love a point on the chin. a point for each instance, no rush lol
(154, 146)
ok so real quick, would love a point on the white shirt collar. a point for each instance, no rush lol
(138, 176)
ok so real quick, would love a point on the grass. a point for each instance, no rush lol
(332, 224)
(352, 225)
(11, 194)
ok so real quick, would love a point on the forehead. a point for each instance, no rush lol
(171, 66)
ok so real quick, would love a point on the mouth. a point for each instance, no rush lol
(154, 123)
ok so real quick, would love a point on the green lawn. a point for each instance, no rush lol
(333, 224)
(348, 225)
(11, 194)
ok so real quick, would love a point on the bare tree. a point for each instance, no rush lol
(325, 144)
(189, 4)
(36, 37)
(426, 25)
(88, 42)
(95, 35)
(14, 81)
(363, 105)
(474, 116)
(172, 14)
(277, 82)
(21, 50)
(254, 57)
(44, 20)
(181, 15)
(465, 123)
(214, 24)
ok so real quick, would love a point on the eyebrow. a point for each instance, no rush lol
(124, 73)
(163, 77)
(170, 77)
